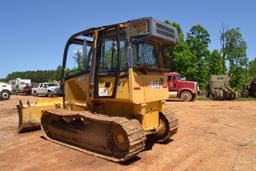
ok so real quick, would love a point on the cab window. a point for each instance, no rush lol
(167, 57)
(145, 54)
(78, 58)
(178, 77)
(108, 58)
(172, 77)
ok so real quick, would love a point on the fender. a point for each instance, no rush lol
(192, 91)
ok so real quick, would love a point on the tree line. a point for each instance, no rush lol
(192, 58)
(36, 76)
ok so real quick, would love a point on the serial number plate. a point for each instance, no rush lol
(155, 84)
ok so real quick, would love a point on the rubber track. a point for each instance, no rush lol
(132, 127)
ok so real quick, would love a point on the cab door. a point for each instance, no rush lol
(44, 89)
(173, 84)
(40, 89)
(110, 62)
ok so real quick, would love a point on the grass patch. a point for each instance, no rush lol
(246, 99)
(204, 98)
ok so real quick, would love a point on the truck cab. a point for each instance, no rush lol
(46, 89)
(180, 88)
(5, 91)
(249, 89)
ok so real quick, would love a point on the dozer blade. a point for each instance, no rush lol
(113, 138)
(30, 114)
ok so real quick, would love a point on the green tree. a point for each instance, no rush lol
(3, 80)
(183, 61)
(78, 57)
(252, 69)
(234, 48)
(215, 63)
(168, 51)
(35, 76)
(178, 27)
(57, 73)
(180, 57)
(198, 40)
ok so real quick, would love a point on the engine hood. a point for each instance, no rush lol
(192, 85)
(189, 82)
(5, 86)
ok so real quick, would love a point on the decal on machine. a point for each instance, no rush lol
(155, 84)
(103, 91)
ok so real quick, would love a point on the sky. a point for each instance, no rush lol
(33, 33)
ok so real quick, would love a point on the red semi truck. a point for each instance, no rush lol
(181, 89)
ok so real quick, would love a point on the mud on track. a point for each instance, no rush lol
(212, 136)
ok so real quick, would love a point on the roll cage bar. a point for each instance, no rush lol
(75, 40)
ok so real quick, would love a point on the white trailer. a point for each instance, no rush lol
(18, 85)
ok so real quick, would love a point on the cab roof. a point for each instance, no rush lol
(155, 28)
(172, 73)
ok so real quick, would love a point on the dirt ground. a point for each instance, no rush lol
(212, 136)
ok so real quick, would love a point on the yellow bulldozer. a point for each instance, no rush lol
(114, 99)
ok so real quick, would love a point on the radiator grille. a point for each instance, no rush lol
(151, 27)
(165, 31)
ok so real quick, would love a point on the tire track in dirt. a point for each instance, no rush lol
(210, 135)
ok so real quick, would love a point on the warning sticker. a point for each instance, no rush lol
(103, 91)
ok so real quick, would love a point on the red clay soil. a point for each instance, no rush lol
(212, 136)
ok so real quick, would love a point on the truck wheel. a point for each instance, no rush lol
(186, 96)
(227, 95)
(5, 95)
(35, 93)
(232, 96)
(244, 94)
(193, 97)
(254, 93)
(215, 96)
(221, 95)
(49, 94)
(163, 129)
(208, 94)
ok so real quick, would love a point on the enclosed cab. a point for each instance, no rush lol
(181, 89)
(249, 89)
